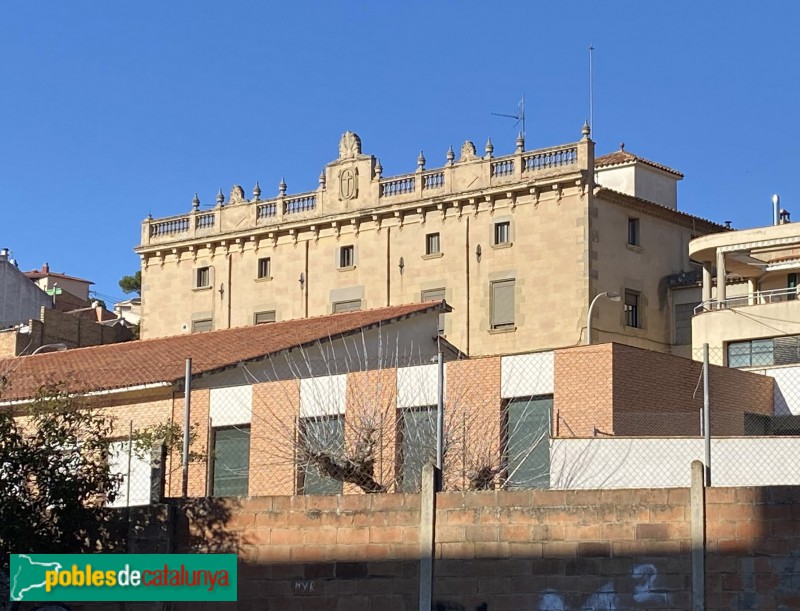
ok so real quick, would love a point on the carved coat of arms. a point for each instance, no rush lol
(348, 183)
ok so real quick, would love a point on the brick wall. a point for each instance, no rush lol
(504, 551)
(614, 389)
(753, 552)
(473, 419)
(583, 397)
(657, 393)
(58, 327)
(276, 406)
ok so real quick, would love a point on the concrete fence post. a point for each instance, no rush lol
(697, 503)
(427, 525)
(158, 459)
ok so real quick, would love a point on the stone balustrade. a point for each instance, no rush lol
(398, 186)
(470, 174)
(433, 180)
(300, 203)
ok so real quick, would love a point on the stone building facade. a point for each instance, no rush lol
(518, 245)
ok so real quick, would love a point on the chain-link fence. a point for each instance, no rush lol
(605, 416)
(590, 417)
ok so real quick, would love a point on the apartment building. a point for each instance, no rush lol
(519, 245)
(750, 312)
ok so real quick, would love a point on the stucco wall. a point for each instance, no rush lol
(20, 299)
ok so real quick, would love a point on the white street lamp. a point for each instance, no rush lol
(613, 296)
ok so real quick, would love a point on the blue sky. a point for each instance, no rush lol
(113, 110)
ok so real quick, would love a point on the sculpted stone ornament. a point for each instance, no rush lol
(468, 151)
(237, 195)
(348, 183)
(349, 146)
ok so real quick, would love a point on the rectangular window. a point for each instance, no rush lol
(502, 306)
(633, 231)
(526, 436)
(198, 326)
(432, 244)
(632, 318)
(435, 295)
(202, 277)
(231, 461)
(683, 323)
(353, 305)
(265, 268)
(502, 232)
(417, 445)
(321, 444)
(754, 353)
(347, 256)
(791, 283)
(261, 318)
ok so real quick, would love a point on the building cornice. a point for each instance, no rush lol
(677, 217)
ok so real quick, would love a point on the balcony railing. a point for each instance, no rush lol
(475, 173)
(757, 298)
(169, 227)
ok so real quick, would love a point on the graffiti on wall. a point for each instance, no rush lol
(642, 593)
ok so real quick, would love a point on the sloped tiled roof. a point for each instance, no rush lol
(162, 360)
(36, 274)
(671, 214)
(622, 156)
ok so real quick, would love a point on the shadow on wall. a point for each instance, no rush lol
(593, 550)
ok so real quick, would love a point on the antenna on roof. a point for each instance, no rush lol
(591, 91)
(519, 116)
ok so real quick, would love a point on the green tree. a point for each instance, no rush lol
(55, 478)
(132, 284)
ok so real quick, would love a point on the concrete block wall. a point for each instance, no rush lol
(504, 551)
(752, 548)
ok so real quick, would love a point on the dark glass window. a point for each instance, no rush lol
(322, 441)
(417, 445)
(231, 461)
(526, 423)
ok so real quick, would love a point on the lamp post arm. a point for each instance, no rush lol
(589, 318)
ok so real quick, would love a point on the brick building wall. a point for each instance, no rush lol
(659, 392)
(614, 389)
(583, 397)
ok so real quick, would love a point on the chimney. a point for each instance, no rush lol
(46, 268)
(3, 254)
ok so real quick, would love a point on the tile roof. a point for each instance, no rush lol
(163, 360)
(37, 273)
(660, 210)
(622, 156)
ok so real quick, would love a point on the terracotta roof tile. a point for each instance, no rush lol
(158, 360)
(623, 156)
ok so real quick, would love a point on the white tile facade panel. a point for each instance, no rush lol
(417, 386)
(525, 375)
(786, 399)
(231, 406)
(138, 492)
(665, 463)
(323, 396)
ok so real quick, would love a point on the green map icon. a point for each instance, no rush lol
(29, 575)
